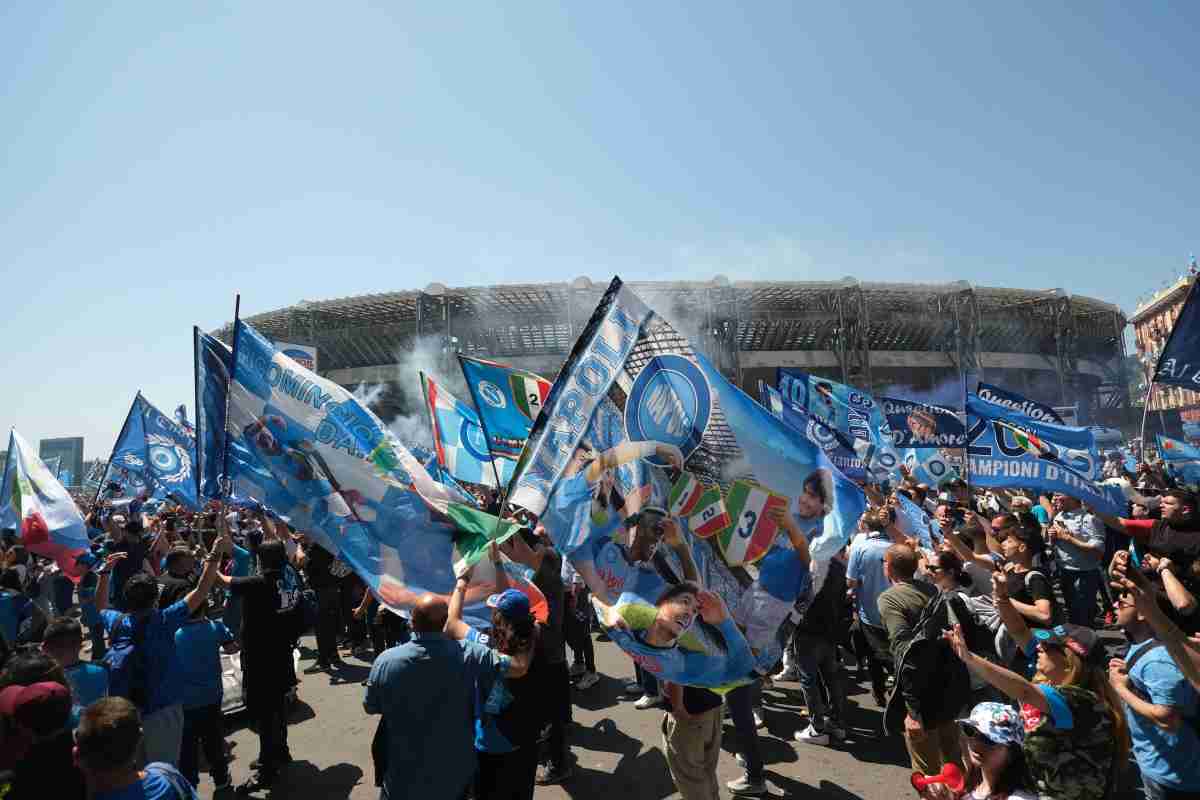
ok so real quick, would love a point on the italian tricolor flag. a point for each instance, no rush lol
(752, 532)
(685, 494)
(708, 517)
(529, 392)
(1028, 441)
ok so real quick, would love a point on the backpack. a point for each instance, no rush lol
(937, 673)
(128, 668)
(1194, 721)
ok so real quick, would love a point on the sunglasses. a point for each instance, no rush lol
(975, 735)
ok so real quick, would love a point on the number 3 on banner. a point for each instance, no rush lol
(749, 520)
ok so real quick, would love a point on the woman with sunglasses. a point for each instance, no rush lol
(992, 744)
(1075, 732)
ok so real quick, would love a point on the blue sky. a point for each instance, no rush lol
(156, 158)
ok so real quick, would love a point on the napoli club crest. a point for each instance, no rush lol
(670, 402)
(492, 394)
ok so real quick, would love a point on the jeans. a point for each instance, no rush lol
(329, 600)
(1079, 589)
(204, 727)
(233, 615)
(647, 680)
(162, 736)
(877, 641)
(816, 658)
(507, 776)
(741, 703)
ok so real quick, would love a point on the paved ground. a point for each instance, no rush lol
(617, 748)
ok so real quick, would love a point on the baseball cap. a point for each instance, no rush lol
(41, 707)
(1082, 641)
(511, 603)
(996, 722)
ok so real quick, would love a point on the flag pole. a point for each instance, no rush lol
(226, 484)
(196, 386)
(113, 452)
(501, 489)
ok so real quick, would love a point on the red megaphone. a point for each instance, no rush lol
(950, 775)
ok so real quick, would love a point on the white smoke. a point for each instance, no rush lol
(429, 354)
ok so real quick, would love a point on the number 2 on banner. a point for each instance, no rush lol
(534, 400)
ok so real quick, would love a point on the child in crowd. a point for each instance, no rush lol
(88, 680)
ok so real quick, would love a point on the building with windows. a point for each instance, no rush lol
(1173, 409)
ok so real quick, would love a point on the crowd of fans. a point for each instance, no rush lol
(1036, 649)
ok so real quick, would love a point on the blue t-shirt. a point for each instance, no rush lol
(865, 565)
(690, 667)
(162, 782)
(241, 562)
(1040, 513)
(198, 653)
(15, 608)
(1166, 757)
(162, 677)
(89, 683)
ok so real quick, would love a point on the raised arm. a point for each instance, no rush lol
(212, 568)
(675, 540)
(1014, 623)
(631, 451)
(455, 628)
(1008, 682)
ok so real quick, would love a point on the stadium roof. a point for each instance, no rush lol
(519, 319)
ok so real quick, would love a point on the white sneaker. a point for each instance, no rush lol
(786, 674)
(759, 722)
(646, 701)
(810, 736)
(587, 680)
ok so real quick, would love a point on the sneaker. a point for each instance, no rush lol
(745, 787)
(740, 759)
(835, 730)
(759, 722)
(577, 670)
(633, 689)
(811, 735)
(587, 680)
(786, 674)
(258, 782)
(646, 701)
(880, 698)
(548, 774)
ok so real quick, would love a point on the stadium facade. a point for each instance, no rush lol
(924, 341)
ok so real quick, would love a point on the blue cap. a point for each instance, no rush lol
(510, 603)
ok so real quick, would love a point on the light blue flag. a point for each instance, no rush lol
(835, 446)
(1075, 447)
(634, 390)
(850, 411)
(459, 440)
(912, 520)
(306, 447)
(1182, 459)
(996, 459)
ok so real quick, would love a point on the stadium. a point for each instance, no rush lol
(909, 339)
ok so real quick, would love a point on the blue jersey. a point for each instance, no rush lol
(89, 683)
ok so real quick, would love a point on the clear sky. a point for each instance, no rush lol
(157, 157)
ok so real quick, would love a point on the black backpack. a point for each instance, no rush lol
(128, 669)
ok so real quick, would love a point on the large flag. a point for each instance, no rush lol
(459, 441)
(213, 363)
(634, 390)
(508, 401)
(1075, 447)
(1181, 458)
(54, 465)
(922, 425)
(996, 458)
(837, 448)
(37, 506)
(153, 456)
(1179, 362)
(1017, 403)
(850, 411)
(307, 448)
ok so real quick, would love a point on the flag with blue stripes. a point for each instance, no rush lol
(459, 440)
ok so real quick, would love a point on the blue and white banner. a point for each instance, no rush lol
(459, 440)
(507, 400)
(913, 521)
(307, 448)
(1179, 362)
(996, 459)
(835, 446)
(634, 390)
(850, 411)
(1075, 447)
(921, 425)
(153, 457)
(1017, 403)
(1181, 458)
(213, 365)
